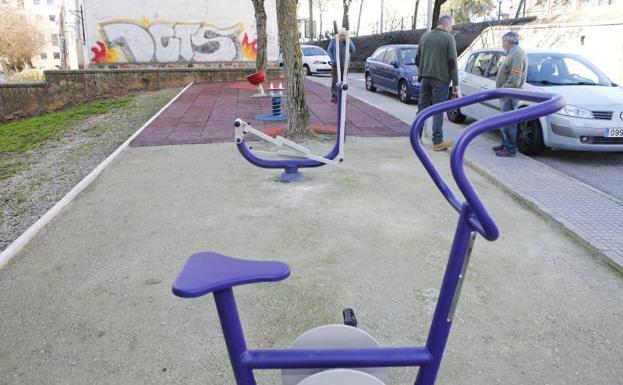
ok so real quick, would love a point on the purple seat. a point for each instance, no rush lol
(205, 273)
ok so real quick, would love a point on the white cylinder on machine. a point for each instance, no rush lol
(333, 337)
(341, 377)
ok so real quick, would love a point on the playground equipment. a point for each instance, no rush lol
(293, 155)
(345, 355)
(257, 79)
(276, 114)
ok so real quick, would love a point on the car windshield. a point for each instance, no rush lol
(408, 55)
(563, 70)
(313, 51)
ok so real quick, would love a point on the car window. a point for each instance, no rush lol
(579, 72)
(496, 63)
(378, 55)
(470, 62)
(408, 55)
(481, 63)
(313, 51)
(390, 55)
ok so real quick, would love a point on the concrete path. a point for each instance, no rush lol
(594, 217)
(205, 113)
(89, 302)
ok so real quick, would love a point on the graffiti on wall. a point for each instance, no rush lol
(165, 42)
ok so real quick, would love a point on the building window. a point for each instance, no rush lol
(50, 2)
(44, 56)
(57, 55)
(55, 39)
(52, 17)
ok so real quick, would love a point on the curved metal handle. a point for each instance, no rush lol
(480, 219)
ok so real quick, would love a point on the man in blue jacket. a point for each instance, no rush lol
(331, 51)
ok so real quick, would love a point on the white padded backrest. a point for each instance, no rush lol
(341, 377)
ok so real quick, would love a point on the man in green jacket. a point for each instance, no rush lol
(436, 62)
(512, 74)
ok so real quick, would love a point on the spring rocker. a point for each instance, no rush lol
(291, 155)
(344, 354)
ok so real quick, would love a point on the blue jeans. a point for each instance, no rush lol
(509, 133)
(433, 91)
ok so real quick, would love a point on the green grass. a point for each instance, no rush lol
(24, 135)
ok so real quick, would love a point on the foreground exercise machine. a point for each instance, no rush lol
(343, 354)
(293, 156)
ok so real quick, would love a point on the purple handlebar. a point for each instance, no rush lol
(480, 219)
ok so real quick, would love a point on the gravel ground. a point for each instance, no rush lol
(55, 167)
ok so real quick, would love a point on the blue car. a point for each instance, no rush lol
(392, 68)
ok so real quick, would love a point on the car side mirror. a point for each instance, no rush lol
(394, 63)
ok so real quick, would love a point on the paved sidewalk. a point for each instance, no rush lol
(591, 215)
(205, 113)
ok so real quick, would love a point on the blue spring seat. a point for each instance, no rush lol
(208, 272)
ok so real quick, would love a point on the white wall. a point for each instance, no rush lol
(159, 31)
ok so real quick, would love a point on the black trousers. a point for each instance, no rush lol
(334, 79)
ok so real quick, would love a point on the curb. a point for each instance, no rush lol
(613, 261)
(17, 245)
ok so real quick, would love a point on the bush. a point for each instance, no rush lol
(29, 74)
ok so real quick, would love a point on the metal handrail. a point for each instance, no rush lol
(480, 219)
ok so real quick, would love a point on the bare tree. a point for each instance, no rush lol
(18, 40)
(417, 5)
(345, 20)
(322, 7)
(359, 17)
(311, 20)
(437, 11)
(296, 104)
(262, 41)
(462, 10)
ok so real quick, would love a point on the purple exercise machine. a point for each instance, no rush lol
(298, 156)
(345, 355)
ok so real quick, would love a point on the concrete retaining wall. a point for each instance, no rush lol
(62, 89)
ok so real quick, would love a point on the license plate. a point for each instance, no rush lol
(614, 133)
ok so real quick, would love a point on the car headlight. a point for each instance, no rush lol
(318, 62)
(414, 78)
(575, 112)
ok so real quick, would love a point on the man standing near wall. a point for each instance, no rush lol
(512, 74)
(436, 62)
(331, 51)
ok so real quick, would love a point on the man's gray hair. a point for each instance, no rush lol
(445, 19)
(511, 37)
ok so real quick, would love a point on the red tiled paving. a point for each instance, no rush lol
(205, 113)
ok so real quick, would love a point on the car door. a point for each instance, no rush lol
(387, 69)
(376, 60)
(492, 107)
(474, 80)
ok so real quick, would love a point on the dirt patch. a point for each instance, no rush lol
(41, 177)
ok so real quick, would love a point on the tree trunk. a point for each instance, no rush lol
(311, 21)
(296, 104)
(345, 21)
(519, 7)
(436, 12)
(262, 42)
(359, 17)
(417, 4)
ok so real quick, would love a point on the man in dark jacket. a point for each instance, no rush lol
(436, 62)
(331, 50)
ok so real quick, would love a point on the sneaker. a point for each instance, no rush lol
(443, 146)
(334, 99)
(505, 153)
(498, 148)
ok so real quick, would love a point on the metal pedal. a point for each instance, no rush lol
(349, 317)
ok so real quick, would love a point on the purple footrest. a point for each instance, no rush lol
(205, 273)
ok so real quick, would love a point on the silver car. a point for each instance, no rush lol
(591, 121)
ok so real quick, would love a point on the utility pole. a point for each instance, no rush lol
(381, 26)
(311, 20)
(63, 38)
(499, 9)
(429, 16)
(359, 17)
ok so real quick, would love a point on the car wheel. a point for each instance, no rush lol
(369, 83)
(530, 138)
(403, 92)
(455, 116)
(307, 70)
